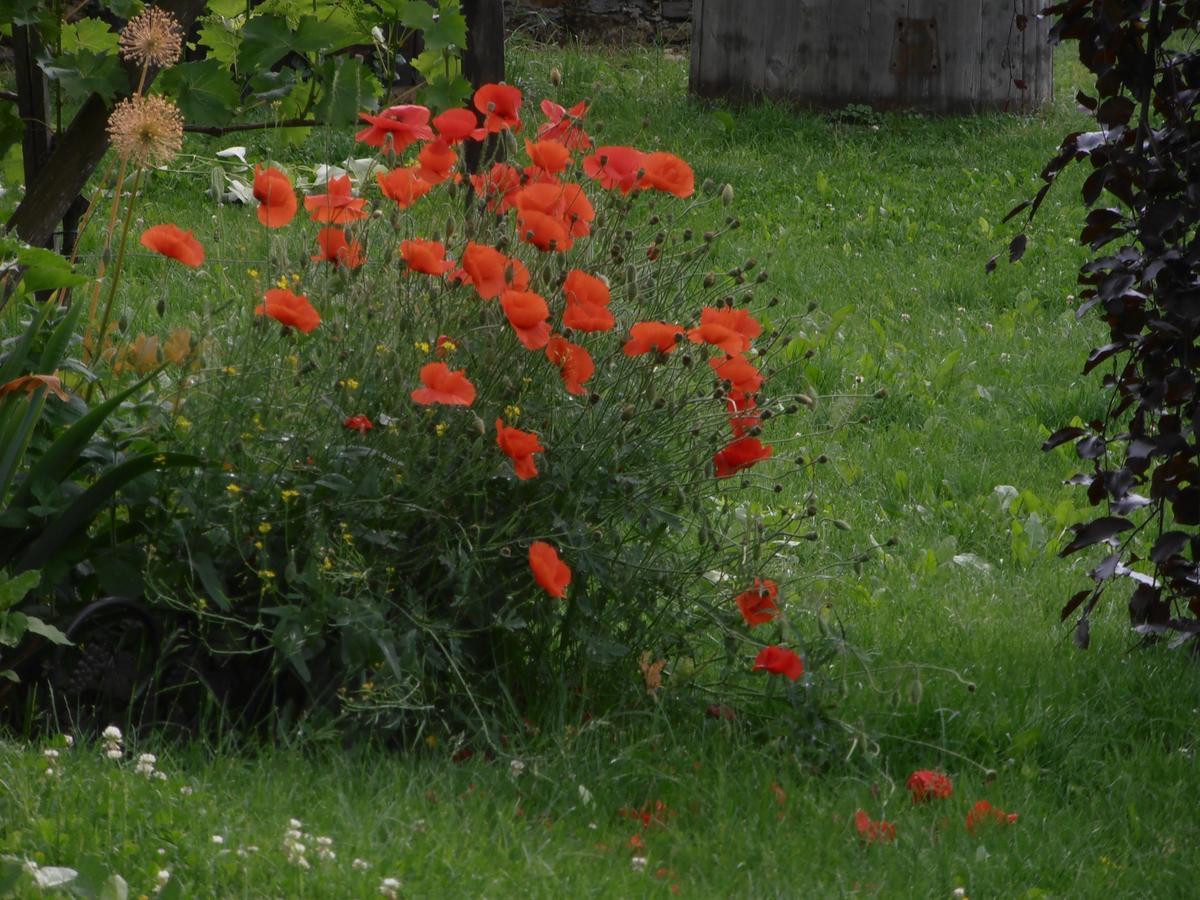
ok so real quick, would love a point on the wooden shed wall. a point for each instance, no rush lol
(933, 55)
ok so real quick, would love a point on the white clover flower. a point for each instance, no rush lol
(112, 734)
(638, 863)
(516, 768)
(390, 888)
(50, 754)
(295, 824)
(186, 790)
(161, 776)
(113, 753)
(360, 864)
(161, 879)
(218, 839)
(68, 740)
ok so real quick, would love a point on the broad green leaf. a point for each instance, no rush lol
(347, 87)
(204, 91)
(21, 12)
(220, 40)
(265, 41)
(415, 14)
(450, 30)
(227, 8)
(12, 628)
(122, 8)
(11, 127)
(34, 625)
(86, 72)
(446, 93)
(13, 590)
(89, 34)
(329, 33)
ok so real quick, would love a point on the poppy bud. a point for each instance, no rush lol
(778, 489)
(841, 524)
(627, 234)
(477, 423)
(822, 459)
(688, 234)
(593, 398)
(660, 403)
(892, 541)
(971, 686)
(726, 194)
(812, 305)
(766, 414)
(122, 323)
(628, 411)
(654, 220)
(449, 227)
(735, 224)
(762, 276)
(734, 273)
(660, 238)
(739, 278)
(709, 280)
(791, 409)
(555, 76)
(810, 536)
(709, 237)
(755, 431)
(774, 301)
(160, 307)
(806, 400)
(881, 393)
(801, 461)
(686, 360)
(810, 511)
(707, 186)
(216, 182)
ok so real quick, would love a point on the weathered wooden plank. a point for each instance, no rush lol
(935, 55)
(483, 62)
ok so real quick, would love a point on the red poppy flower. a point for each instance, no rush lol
(173, 241)
(548, 570)
(779, 661)
(361, 424)
(289, 309)
(563, 125)
(403, 186)
(758, 603)
(519, 446)
(984, 812)
(427, 257)
(276, 199)
(565, 202)
(435, 162)
(337, 250)
(544, 232)
(497, 186)
(527, 312)
(403, 124)
(667, 172)
(501, 106)
(574, 363)
(739, 372)
(615, 167)
(872, 831)
(338, 206)
(743, 415)
(442, 385)
(576, 210)
(587, 303)
(490, 272)
(730, 329)
(647, 336)
(550, 157)
(741, 454)
(925, 784)
(456, 125)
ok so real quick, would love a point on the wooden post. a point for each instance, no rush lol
(33, 104)
(483, 63)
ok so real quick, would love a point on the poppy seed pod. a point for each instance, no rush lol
(726, 194)
(881, 393)
(810, 511)
(709, 280)
(688, 234)
(812, 305)
(822, 459)
(762, 277)
(841, 524)
(806, 400)
(628, 411)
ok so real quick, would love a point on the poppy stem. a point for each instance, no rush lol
(115, 280)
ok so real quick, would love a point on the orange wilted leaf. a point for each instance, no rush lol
(30, 383)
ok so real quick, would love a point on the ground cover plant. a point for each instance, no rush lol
(887, 231)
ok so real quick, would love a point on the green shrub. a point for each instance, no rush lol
(373, 543)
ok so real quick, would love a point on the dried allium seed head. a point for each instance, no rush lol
(148, 131)
(152, 38)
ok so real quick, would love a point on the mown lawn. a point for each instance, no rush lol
(962, 663)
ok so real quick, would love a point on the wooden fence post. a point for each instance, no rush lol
(483, 63)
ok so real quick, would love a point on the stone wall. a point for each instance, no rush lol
(609, 21)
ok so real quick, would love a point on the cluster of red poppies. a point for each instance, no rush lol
(550, 214)
(926, 786)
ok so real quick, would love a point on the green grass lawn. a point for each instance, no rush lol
(964, 665)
